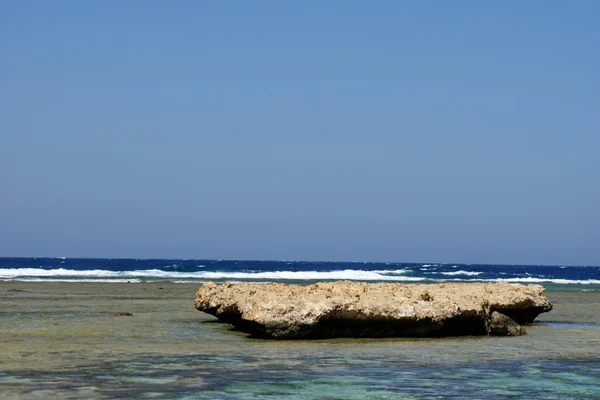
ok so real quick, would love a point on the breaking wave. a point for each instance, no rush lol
(255, 271)
(547, 280)
(157, 274)
(460, 272)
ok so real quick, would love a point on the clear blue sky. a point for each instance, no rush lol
(462, 131)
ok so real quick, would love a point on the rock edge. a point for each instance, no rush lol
(376, 310)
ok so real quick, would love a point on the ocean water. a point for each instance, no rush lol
(60, 337)
(187, 271)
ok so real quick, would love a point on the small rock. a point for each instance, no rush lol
(123, 314)
(501, 325)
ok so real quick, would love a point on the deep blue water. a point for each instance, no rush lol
(143, 270)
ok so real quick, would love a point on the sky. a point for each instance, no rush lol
(462, 131)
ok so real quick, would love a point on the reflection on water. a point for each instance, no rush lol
(63, 341)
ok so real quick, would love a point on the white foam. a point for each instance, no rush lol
(75, 280)
(461, 272)
(349, 274)
(26, 272)
(542, 280)
(398, 275)
(391, 271)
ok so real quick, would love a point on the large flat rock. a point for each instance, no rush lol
(356, 309)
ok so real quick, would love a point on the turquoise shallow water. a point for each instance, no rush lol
(238, 377)
(62, 340)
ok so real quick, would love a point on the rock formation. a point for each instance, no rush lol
(356, 309)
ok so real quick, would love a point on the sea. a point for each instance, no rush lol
(63, 269)
(75, 328)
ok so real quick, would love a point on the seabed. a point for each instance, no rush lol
(63, 340)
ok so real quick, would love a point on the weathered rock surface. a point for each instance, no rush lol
(356, 309)
(501, 325)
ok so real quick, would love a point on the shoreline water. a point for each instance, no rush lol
(64, 340)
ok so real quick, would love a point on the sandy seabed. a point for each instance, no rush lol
(63, 340)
